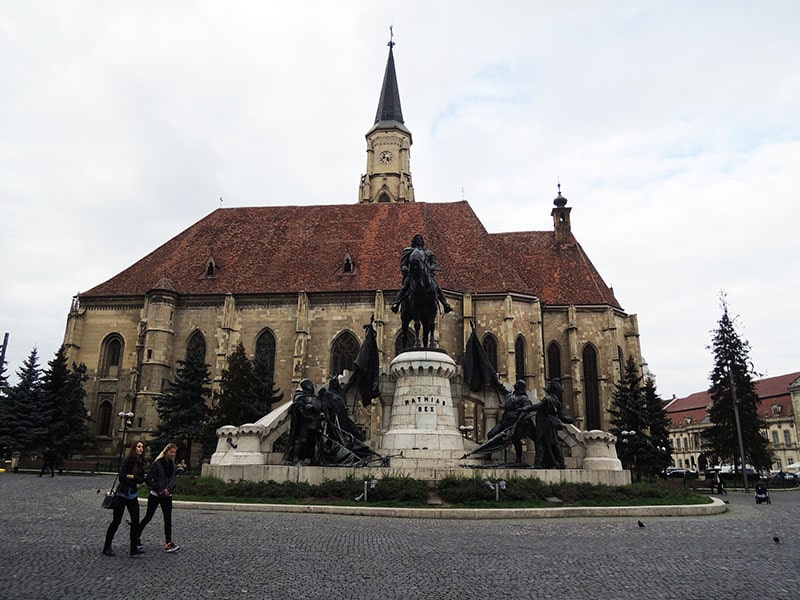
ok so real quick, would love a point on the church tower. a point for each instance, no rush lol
(388, 176)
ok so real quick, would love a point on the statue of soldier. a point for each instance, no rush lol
(334, 407)
(517, 407)
(549, 419)
(305, 413)
(418, 242)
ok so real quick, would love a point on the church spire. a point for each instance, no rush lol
(389, 110)
(388, 176)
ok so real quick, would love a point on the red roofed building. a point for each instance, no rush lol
(779, 407)
(298, 283)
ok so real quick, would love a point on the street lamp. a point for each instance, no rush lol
(495, 486)
(127, 421)
(627, 438)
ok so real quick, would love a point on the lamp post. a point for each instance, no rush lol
(127, 421)
(495, 486)
(627, 438)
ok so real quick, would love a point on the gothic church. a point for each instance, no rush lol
(296, 285)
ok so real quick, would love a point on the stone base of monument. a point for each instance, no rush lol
(318, 475)
(421, 440)
(423, 422)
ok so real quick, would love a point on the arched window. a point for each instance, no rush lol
(343, 353)
(621, 359)
(553, 361)
(519, 357)
(490, 347)
(196, 345)
(104, 422)
(112, 356)
(591, 388)
(264, 359)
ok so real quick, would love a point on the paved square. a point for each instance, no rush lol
(52, 529)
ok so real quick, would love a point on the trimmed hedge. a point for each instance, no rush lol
(453, 490)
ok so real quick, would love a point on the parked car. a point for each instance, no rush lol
(681, 474)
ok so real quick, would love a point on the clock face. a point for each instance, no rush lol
(385, 157)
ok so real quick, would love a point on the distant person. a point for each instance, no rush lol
(720, 485)
(131, 474)
(161, 481)
(50, 458)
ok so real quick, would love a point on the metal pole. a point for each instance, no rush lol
(3, 352)
(738, 427)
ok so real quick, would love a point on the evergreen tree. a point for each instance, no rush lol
(628, 418)
(236, 401)
(244, 397)
(265, 392)
(659, 451)
(182, 410)
(732, 362)
(63, 394)
(26, 421)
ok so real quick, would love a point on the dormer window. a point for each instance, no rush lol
(687, 420)
(776, 409)
(211, 267)
(348, 265)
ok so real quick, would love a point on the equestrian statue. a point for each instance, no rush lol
(419, 297)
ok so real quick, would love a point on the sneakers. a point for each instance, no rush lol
(171, 547)
(108, 552)
(138, 550)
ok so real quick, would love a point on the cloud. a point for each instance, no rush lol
(672, 127)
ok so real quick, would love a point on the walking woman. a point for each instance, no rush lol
(131, 474)
(161, 481)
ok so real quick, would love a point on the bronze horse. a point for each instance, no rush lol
(420, 305)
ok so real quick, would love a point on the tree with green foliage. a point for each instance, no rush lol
(628, 418)
(265, 392)
(732, 365)
(640, 423)
(660, 448)
(236, 402)
(244, 397)
(26, 416)
(62, 396)
(182, 410)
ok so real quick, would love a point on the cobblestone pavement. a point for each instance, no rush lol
(52, 529)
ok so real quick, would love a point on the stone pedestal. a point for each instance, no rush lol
(423, 422)
(239, 445)
(601, 453)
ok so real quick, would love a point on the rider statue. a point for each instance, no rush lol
(418, 243)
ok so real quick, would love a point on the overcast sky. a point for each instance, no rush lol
(673, 127)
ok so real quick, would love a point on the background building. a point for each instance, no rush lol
(779, 407)
(296, 284)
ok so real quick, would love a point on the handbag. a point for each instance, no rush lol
(109, 500)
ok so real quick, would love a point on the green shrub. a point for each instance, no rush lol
(454, 490)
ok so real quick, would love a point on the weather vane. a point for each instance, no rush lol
(391, 37)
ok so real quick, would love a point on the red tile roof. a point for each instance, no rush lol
(770, 390)
(285, 249)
